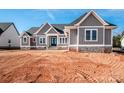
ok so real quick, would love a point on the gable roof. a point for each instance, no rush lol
(32, 30)
(43, 27)
(78, 19)
(51, 29)
(5, 26)
(85, 15)
(58, 27)
(1, 31)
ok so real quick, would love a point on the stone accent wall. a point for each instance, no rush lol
(62, 48)
(41, 48)
(25, 48)
(96, 49)
(107, 49)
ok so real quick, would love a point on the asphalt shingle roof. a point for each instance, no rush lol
(32, 30)
(58, 27)
(110, 24)
(1, 31)
(4, 26)
(78, 19)
(82, 16)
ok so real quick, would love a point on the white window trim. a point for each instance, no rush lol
(62, 40)
(42, 40)
(26, 39)
(92, 27)
(91, 30)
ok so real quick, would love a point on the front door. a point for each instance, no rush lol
(53, 40)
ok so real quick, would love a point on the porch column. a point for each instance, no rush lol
(36, 40)
(57, 40)
(68, 38)
(29, 42)
(77, 39)
(46, 42)
(20, 41)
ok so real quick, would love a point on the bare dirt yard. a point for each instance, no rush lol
(60, 66)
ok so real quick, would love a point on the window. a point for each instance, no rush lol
(42, 40)
(88, 34)
(34, 39)
(60, 40)
(9, 41)
(63, 40)
(25, 39)
(91, 34)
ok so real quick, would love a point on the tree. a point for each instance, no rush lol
(117, 38)
(122, 33)
(116, 41)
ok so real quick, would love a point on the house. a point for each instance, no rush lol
(9, 36)
(44, 37)
(89, 32)
(122, 42)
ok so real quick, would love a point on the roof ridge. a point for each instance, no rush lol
(6, 23)
(78, 18)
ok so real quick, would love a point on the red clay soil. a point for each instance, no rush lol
(59, 66)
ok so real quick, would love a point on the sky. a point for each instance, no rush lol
(27, 18)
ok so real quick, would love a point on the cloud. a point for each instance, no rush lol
(50, 15)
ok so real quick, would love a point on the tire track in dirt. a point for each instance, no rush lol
(60, 67)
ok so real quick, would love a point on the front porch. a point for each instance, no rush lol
(52, 41)
(48, 42)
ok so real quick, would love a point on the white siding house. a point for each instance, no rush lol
(122, 42)
(9, 36)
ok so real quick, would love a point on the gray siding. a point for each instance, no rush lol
(91, 21)
(62, 44)
(82, 36)
(59, 40)
(37, 40)
(73, 36)
(25, 44)
(44, 29)
(62, 35)
(108, 36)
(25, 34)
(52, 31)
(32, 42)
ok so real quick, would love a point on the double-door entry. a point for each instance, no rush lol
(53, 40)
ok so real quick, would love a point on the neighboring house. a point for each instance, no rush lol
(89, 32)
(122, 42)
(9, 36)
